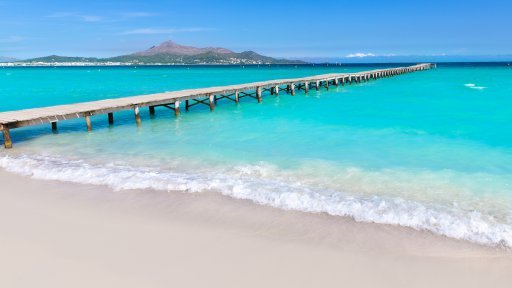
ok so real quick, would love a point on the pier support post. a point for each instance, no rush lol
(152, 110)
(292, 88)
(327, 84)
(276, 89)
(336, 82)
(110, 118)
(258, 94)
(236, 97)
(186, 105)
(54, 126)
(306, 87)
(177, 108)
(212, 102)
(88, 122)
(317, 85)
(136, 111)
(7, 137)
(272, 91)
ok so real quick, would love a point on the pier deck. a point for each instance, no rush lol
(207, 96)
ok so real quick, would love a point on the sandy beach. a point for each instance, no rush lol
(58, 234)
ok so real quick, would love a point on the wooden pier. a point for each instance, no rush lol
(188, 98)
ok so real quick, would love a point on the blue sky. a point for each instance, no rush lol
(275, 28)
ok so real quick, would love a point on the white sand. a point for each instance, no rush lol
(67, 235)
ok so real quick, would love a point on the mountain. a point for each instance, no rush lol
(169, 47)
(62, 59)
(172, 53)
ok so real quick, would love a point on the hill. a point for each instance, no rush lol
(172, 53)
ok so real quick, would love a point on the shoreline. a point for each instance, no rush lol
(59, 232)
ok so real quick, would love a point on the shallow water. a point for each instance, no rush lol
(428, 150)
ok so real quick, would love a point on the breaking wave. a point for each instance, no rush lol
(251, 182)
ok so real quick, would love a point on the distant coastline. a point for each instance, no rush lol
(129, 64)
(136, 64)
(166, 53)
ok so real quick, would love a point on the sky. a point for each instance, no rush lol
(289, 29)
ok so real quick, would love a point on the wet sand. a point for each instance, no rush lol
(56, 234)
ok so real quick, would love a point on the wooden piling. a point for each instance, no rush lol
(277, 90)
(7, 137)
(110, 118)
(186, 105)
(54, 126)
(136, 111)
(88, 122)
(177, 108)
(152, 110)
(258, 94)
(306, 87)
(212, 102)
(292, 88)
(236, 97)
(317, 85)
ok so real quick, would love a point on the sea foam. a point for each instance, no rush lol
(448, 220)
(474, 86)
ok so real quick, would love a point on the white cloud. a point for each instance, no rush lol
(154, 31)
(360, 55)
(11, 39)
(76, 16)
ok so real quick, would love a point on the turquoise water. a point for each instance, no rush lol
(429, 150)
